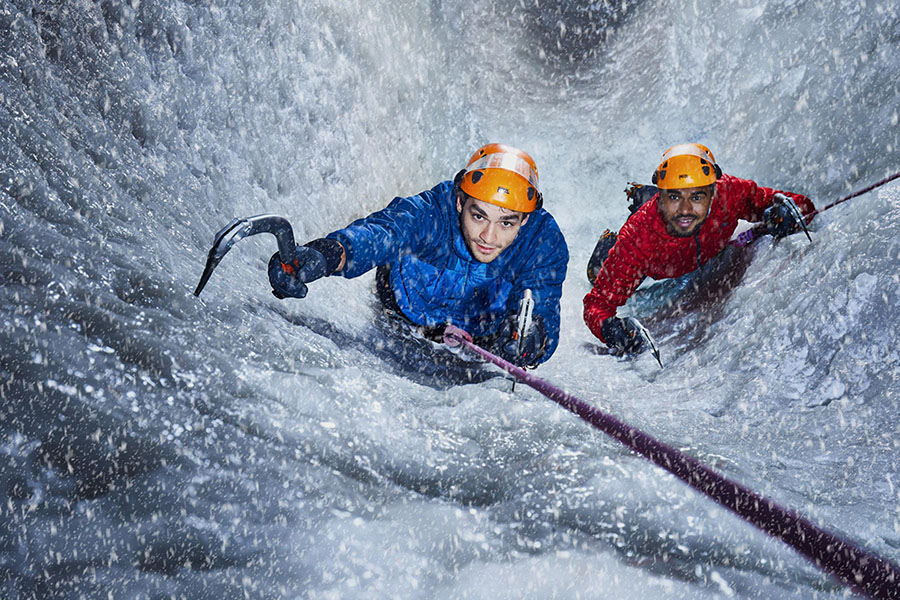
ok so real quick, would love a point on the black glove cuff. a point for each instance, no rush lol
(540, 331)
(332, 250)
(608, 329)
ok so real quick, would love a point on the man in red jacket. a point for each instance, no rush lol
(686, 224)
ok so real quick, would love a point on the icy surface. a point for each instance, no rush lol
(153, 444)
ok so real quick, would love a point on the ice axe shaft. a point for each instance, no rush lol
(645, 333)
(524, 322)
(240, 228)
(524, 319)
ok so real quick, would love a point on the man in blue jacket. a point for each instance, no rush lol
(461, 253)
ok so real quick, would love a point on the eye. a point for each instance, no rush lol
(506, 224)
(477, 217)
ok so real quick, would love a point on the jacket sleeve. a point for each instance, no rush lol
(544, 277)
(404, 226)
(754, 199)
(619, 277)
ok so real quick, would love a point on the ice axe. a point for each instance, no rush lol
(525, 319)
(524, 322)
(795, 211)
(645, 333)
(750, 235)
(240, 228)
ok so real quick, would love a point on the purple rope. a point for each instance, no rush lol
(859, 192)
(861, 570)
(745, 238)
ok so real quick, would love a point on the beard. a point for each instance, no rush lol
(673, 230)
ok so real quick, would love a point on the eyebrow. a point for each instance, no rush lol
(509, 217)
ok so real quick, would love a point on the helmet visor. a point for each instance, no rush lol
(687, 150)
(507, 162)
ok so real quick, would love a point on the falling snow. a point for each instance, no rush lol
(157, 445)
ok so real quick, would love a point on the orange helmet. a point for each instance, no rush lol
(686, 166)
(504, 176)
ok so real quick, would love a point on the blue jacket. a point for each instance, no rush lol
(434, 277)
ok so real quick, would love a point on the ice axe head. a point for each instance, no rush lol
(240, 228)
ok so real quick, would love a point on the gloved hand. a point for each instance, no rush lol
(781, 218)
(289, 280)
(527, 351)
(449, 335)
(622, 335)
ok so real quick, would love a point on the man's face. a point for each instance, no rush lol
(487, 229)
(683, 211)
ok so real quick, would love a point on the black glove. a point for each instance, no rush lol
(622, 335)
(527, 351)
(780, 218)
(313, 261)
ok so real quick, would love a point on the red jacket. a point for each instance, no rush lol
(645, 249)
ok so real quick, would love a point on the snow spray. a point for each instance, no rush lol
(858, 568)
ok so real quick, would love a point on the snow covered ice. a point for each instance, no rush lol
(155, 445)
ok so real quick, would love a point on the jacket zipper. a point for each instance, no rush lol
(697, 242)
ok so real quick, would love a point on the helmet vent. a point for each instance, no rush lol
(476, 175)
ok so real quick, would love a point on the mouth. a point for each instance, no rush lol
(484, 249)
(684, 221)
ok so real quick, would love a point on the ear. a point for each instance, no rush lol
(525, 220)
(459, 204)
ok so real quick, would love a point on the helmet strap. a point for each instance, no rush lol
(457, 179)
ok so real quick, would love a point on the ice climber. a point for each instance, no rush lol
(677, 230)
(461, 253)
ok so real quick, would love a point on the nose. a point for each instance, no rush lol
(489, 234)
(685, 206)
